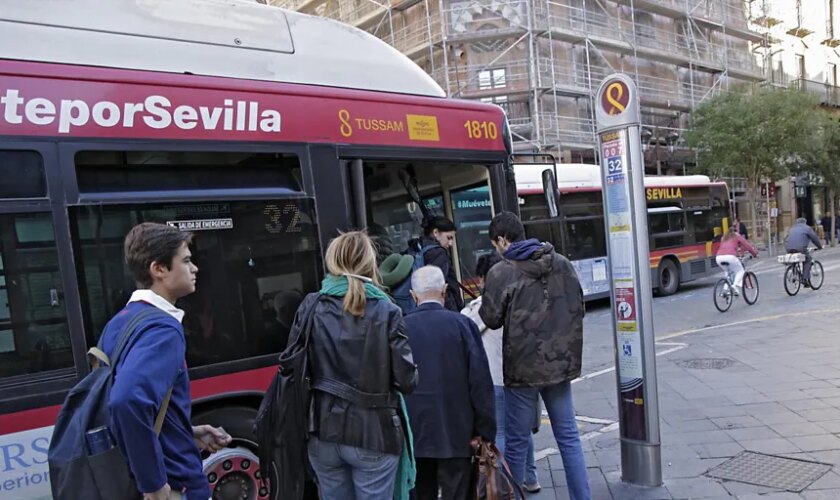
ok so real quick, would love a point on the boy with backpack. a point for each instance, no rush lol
(148, 406)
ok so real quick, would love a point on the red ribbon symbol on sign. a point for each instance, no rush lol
(614, 93)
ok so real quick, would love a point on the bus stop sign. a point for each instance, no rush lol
(625, 209)
(615, 98)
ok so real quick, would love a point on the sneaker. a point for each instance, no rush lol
(533, 488)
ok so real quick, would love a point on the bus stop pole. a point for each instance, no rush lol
(625, 218)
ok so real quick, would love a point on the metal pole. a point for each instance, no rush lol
(769, 226)
(625, 207)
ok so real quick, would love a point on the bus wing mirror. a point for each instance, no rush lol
(552, 196)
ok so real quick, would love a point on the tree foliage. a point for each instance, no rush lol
(760, 135)
(822, 161)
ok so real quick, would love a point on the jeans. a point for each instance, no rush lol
(530, 462)
(519, 415)
(350, 473)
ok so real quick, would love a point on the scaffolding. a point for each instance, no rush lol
(542, 60)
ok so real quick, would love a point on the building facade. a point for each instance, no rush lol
(801, 50)
(542, 60)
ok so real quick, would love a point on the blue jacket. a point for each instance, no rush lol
(155, 363)
(454, 399)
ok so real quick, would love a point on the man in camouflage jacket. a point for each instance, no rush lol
(535, 294)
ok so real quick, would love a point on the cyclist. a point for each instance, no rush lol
(731, 247)
(799, 237)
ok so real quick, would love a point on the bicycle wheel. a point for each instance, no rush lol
(792, 280)
(723, 295)
(750, 288)
(817, 276)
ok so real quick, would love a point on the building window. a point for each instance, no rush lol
(501, 100)
(492, 79)
(800, 64)
(832, 74)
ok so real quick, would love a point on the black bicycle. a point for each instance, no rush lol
(725, 291)
(794, 278)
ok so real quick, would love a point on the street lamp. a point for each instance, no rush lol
(646, 134)
(671, 140)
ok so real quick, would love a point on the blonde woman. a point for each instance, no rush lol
(360, 360)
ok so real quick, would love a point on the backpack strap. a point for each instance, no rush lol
(97, 357)
(129, 329)
(162, 412)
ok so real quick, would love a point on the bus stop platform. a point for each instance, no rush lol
(748, 410)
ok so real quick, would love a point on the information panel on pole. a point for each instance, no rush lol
(625, 210)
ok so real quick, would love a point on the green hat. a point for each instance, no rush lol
(395, 269)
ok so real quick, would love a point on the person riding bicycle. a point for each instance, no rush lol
(799, 237)
(732, 246)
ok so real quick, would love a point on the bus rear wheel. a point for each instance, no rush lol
(234, 471)
(669, 277)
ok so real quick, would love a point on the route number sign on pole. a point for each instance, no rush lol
(625, 208)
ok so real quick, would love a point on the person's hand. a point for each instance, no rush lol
(161, 494)
(209, 438)
(475, 442)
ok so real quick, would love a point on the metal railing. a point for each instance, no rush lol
(478, 80)
(713, 10)
(567, 130)
(354, 11)
(829, 94)
(588, 22)
(418, 34)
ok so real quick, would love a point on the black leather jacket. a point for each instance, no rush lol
(357, 365)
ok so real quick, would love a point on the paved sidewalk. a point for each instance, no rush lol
(770, 386)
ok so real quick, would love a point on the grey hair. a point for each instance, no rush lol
(427, 279)
(801, 220)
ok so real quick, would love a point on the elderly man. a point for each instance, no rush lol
(799, 238)
(453, 402)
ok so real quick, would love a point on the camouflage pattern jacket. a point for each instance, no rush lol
(539, 302)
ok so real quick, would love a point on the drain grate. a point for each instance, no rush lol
(769, 470)
(706, 363)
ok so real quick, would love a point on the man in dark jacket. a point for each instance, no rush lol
(454, 401)
(799, 237)
(534, 293)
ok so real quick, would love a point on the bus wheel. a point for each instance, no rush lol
(234, 471)
(669, 277)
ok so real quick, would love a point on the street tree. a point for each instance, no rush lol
(822, 162)
(759, 134)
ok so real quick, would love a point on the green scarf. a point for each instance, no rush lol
(337, 286)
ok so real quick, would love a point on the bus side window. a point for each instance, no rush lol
(256, 258)
(34, 334)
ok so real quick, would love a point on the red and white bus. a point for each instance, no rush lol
(686, 217)
(263, 131)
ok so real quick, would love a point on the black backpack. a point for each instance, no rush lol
(74, 474)
(282, 422)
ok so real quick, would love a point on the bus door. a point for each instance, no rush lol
(391, 199)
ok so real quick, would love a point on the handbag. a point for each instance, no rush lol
(493, 480)
(282, 422)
